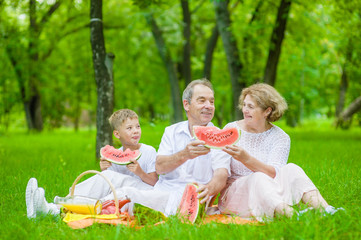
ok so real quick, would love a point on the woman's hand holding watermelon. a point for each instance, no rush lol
(237, 153)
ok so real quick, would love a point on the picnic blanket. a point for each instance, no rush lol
(77, 221)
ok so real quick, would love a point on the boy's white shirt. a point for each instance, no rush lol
(146, 161)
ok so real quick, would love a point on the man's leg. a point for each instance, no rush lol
(153, 199)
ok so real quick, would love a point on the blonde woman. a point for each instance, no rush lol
(262, 184)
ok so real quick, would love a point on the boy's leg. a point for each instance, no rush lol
(41, 206)
(29, 197)
(97, 187)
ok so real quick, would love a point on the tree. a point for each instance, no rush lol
(28, 78)
(208, 56)
(103, 76)
(167, 59)
(186, 63)
(344, 81)
(276, 42)
(345, 117)
(235, 66)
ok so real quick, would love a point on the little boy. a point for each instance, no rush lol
(140, 173)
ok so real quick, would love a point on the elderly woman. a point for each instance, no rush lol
(262, 184)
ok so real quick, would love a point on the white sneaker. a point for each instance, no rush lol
(332, 210)
(40, 203)
(300, 213)
(41, 206)
(29, 197)
(304, 211)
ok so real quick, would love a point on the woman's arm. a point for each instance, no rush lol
(239, 154)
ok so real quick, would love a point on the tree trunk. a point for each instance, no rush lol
(172, 75)
(354, 107)
(344, 79)
(344, 120)
(230, 46)
(276, 42)
(208, 59)
(103, 78)
(187, 70)
(251, 51)
(32, 99)
(29, 81)
(342, 93)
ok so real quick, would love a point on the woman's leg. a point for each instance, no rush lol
(284, 209)
(314, 199)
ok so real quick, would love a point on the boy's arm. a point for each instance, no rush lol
(104, 164)
(149, 178)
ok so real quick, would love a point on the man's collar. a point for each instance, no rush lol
(185, 129)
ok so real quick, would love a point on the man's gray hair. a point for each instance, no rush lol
(188, 92)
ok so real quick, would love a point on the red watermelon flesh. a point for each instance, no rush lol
(117, 156)
(215, 137)
(190, 208)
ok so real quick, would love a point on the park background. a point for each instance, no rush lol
(66, 65)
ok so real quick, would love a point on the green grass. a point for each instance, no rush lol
(331, 158)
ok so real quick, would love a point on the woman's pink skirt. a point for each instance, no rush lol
(257, 195)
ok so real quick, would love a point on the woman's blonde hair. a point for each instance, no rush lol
(265, 96)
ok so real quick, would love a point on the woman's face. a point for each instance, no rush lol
(253, 114)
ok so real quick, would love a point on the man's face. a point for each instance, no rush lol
(200, 110)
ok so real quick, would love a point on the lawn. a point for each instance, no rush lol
(331, 158)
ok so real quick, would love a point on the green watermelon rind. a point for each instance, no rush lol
(122, 163)
(119, 163)
(200, 210)
(215, 147)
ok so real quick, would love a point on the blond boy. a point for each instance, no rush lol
(139, 174)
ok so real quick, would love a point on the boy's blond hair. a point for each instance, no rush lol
(118, 117)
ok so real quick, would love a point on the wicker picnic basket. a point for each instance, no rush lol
(78, 221)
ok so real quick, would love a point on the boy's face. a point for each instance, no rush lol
(129, 132)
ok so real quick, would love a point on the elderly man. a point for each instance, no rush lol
(181, 159)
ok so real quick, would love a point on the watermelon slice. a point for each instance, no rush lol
(215, 137)
(190, 209)
(117, 156)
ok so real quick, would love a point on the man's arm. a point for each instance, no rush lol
(215, 186)
(167, 163)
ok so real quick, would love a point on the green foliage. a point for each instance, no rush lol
(318, 37)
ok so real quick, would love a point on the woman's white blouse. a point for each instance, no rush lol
(271, 147)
